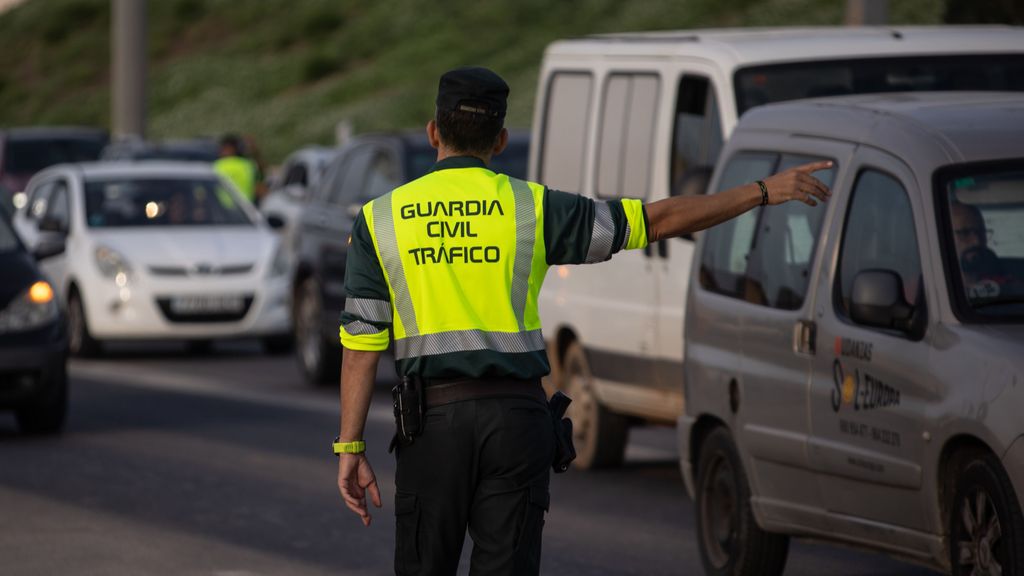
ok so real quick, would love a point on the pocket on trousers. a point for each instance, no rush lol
(407, 530)
(536, 501)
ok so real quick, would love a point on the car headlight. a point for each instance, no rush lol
(112, 264)
(279, 264)
(32, 308)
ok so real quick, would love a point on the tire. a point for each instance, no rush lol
(319, 359)
(277, 345)
(998, 546)
(47, 414)
(80, 341)
(731, 543)
(599, 434)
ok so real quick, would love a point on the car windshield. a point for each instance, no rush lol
(984, 215)
(763, 84)
(154, 201)
(28, 156)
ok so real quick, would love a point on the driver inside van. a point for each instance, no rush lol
(979, 265)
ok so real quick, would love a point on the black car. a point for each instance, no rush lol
(366, 168)
(33, 339)
(25, 151)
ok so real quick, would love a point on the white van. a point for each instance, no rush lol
(645, 116)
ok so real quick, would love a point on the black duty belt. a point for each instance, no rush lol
(441, 392)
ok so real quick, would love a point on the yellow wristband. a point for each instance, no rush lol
(357, 447)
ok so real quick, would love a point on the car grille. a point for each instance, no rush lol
(182, 271)
(203, 317)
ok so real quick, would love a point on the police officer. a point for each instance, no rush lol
(239, 170)
(451, 264)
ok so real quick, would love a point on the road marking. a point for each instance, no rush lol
(109, 373)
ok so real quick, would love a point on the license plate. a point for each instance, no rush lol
(197, 305)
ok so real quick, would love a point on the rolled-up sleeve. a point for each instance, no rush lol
(367, 316)
(579, 230)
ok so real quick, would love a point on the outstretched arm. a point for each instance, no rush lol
(681, 215)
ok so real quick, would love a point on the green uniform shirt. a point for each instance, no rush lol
(568, 230)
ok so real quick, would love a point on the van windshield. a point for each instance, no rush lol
(764, 84)
(983, 211)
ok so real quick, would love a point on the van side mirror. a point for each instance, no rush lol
(877, 300)
(693, 182)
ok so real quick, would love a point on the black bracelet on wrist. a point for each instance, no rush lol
(764, 192)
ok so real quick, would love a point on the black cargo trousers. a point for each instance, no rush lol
(482, 464)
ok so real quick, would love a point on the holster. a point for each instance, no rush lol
(565, 451)
(407, 400)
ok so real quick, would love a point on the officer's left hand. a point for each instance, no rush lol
(355, 477)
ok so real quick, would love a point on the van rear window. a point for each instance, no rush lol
(764, 84)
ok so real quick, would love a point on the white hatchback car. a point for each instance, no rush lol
(157, 250)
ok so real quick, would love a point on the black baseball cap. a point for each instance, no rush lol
(473, 89)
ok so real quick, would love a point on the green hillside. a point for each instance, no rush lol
(287, 70)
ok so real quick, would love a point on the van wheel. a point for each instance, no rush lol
(731, 542)
(986, 531)
(80, 340)
(319, 359)
(598, 434)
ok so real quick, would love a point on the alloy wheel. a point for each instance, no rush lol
(981, 537)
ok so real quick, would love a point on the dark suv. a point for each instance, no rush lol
(366, 168)
(25, 151)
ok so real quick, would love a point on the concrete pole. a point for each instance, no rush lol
(867, 12)
(128, 67)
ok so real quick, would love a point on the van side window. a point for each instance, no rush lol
(563, 147)
(879, 234)
(697, 135)
(627, 135)
(779, 266)
(723, 265)
(765, 255)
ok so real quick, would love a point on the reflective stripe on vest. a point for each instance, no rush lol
(526, 222)
(387, 244)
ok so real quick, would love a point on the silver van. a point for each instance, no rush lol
(855, 371)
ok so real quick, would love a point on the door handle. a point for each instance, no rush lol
(805, 336)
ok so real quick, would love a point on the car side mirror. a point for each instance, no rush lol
(48, 246)
(275, 221)
(877, 300)
(693, 182)
(50, 224)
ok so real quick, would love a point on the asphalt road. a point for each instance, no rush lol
(220, 464)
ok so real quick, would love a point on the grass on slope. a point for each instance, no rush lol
(287, 71)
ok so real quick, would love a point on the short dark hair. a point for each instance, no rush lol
(468, 132)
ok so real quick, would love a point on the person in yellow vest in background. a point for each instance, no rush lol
(236, 168)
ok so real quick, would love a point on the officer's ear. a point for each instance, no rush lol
(501, 142)
(432, 135)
